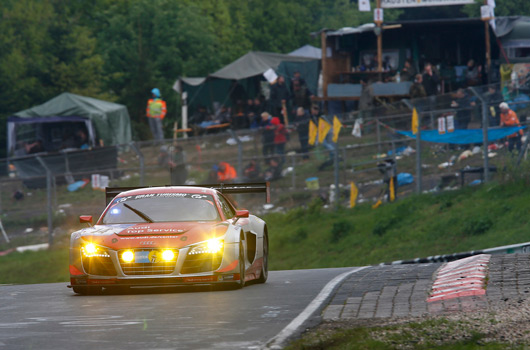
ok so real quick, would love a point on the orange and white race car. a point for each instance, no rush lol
(166, 236)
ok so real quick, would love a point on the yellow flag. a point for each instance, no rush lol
(414, 121)
(377, 204)
(336, 128)
(392, 190)
(323, 129)
(354, 192)
(312, 132)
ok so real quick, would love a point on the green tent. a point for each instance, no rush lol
(57, 119)
(248, 72)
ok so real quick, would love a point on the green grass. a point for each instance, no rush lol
(431, 334)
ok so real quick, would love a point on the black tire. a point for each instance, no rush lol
(241, 283)
(85, 290)
(265, 266)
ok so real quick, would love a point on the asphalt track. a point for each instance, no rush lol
(51, 316)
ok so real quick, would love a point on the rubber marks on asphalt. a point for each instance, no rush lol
(460, 278)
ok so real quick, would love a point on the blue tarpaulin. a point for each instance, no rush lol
(463, 136)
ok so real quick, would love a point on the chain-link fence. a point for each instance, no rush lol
(40, 192)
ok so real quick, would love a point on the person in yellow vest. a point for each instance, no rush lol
(156, 111)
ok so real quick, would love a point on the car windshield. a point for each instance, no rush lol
(161, 207)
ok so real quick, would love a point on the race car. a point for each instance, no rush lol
(167, 236)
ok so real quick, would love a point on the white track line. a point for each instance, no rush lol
(277, 342)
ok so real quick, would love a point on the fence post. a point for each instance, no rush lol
(484, 134)
(49, 201)
(293, 175)
(378, 133)
(141, 158)
(418, 156)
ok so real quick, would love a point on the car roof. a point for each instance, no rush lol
(169, 189)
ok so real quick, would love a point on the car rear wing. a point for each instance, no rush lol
(246, 187)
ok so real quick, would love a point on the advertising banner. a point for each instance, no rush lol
(420, 3)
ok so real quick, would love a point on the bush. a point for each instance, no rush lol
(477, 225)
(340, 230)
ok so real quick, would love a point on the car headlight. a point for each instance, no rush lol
(127, 256)
(211, 246)
(90, 250)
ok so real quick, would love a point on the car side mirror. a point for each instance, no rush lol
(243, 213)
(85, 219)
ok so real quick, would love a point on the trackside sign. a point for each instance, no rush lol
(419, 3)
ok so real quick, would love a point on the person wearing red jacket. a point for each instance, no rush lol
(156, 111)
(509, 118)
(280, 137)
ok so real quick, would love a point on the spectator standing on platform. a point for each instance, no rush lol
(267, 134)
(430, 80)
(408, 72)
(509, 118)
(156, 111)
(416, 89)
(302, 127)
(279, 98)
(473, 73)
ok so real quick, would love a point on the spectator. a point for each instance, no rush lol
(200, 115)
(473, 73)
(416, 89)
(298, 77)
(226, 172)
(224, 115)
(156, 111)
(273, 171)
(267, 134)
(302, 127)
(34, 147)
(252, 171)
(408, 72)
(509, 118)
(280, 138)
(493, 96)
(464, 105)
(279, 98)
(177, 166)
(237, 95)
(301, 96)
(430, 80)
(81, 139)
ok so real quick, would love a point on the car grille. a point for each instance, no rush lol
(196, 263)
(148, 268)
(101, 266)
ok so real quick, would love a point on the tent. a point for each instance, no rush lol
(57, 119)
(307, 51)
(247, 71)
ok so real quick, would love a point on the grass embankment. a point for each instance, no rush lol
(417, 226)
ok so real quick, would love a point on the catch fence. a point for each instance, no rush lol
(39, 192)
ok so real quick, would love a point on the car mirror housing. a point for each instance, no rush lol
(85, 219)
(243, 213)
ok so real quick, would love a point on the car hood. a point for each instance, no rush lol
(153, 235)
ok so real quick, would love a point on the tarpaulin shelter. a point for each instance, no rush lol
(55, 120)
(514, 36)
(248, 72)
(307, 51)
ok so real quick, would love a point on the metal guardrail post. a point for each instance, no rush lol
(49, 196)
(142, 164)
